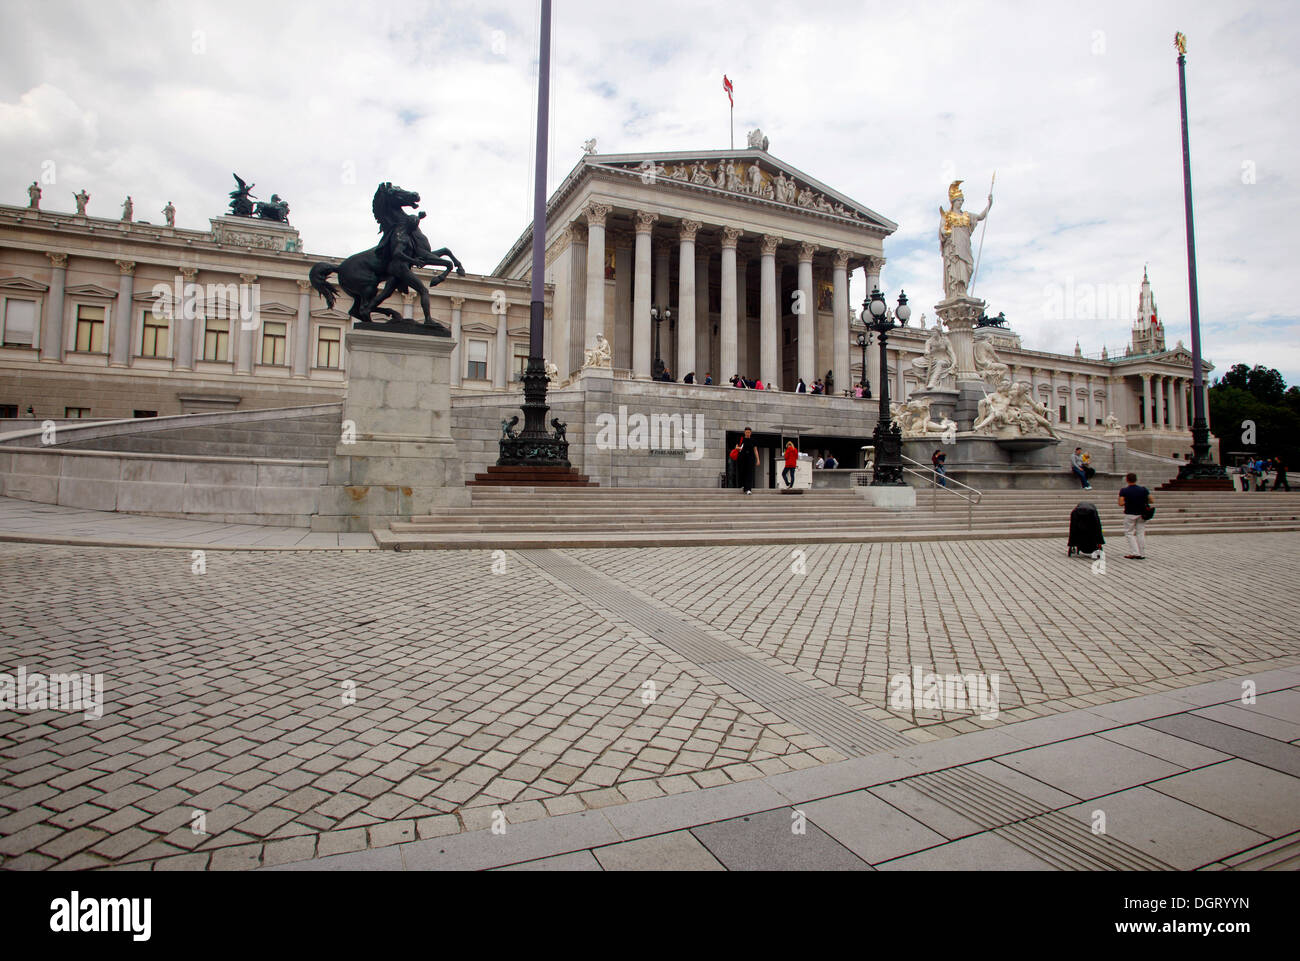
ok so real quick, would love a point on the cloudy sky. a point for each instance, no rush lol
(1074, 105)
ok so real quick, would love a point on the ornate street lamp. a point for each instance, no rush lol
(887, 437)
(658, 314)
(863, 340)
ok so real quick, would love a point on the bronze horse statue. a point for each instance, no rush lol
(402, 248)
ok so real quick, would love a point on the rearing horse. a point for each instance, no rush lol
(392, 263)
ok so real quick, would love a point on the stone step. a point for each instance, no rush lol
(391, 540)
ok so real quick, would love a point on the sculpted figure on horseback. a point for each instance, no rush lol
(402, 248)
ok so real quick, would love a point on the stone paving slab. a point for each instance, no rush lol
(772, 841)
(318, 705)
(678, 851)
(1256, 797)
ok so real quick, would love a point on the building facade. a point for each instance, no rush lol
(712, 264)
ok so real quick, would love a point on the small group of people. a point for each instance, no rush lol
(1081, 467)
(746, 383)
(1258, 471)
(818, 387)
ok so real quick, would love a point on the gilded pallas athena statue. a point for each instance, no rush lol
(955, 229)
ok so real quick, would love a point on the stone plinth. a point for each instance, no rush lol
(943, 403)
(396, 457)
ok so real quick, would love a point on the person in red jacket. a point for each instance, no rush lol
(791, 458)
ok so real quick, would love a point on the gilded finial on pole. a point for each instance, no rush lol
(1181, 43)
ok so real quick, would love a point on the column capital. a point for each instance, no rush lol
(596, 214)
(57, 260)
(871, 264)
(408, 297)
(689, 228)
(457, 303)
(248, 278)
(730, 237)
(127, 267)
(806, 252)
(769, 244)
(645, 221)
(577, 232)
(841, 260)
(304, 286)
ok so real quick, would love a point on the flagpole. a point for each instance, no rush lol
(733, 125)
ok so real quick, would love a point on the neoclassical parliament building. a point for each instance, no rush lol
(710, 263)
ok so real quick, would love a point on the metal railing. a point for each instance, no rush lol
(931, 475)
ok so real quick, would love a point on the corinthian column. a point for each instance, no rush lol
(840, 283)
(596, 214)
(769, 362)
(244, 329)
(727, 362)
(807, 313)
(120, 352)
(641, 346)
(686, 300)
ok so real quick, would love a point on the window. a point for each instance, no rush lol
(144, 413)
(521, 360)
(20, 323)
(76, 412)
(216, 339)
(477, 369)
(156, 336)
(8, 410)
(90, 329)
(274, 336)
(328, 340)
(1065, 417)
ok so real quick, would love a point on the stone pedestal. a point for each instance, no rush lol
(396, 457)
(961, 314)
(943, 403)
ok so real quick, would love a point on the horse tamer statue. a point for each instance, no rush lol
(401, 249)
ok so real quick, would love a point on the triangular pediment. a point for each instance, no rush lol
(330, 313)
(23, 284)
(753, 175)
(278, 310)
(91, 290)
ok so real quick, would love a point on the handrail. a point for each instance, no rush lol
(935, 486)
(950, 480)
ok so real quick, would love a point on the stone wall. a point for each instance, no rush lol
(476, 426)
(223, 489)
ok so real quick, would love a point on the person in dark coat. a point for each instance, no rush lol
(747, 462)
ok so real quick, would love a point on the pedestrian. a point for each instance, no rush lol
(689, 378)
(708, 380)
(821, 462)
(791, 459)
(747, 461)
(758, 384)
(857, 392)
(1280, 478)
(1077, 466)
(1138, 509)
(831, 462)
(941, 472)
(802, 388)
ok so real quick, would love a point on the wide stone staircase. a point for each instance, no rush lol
(511, 518)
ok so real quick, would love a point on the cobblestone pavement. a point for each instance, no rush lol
(297, 705)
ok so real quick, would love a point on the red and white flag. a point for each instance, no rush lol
(726, 85)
